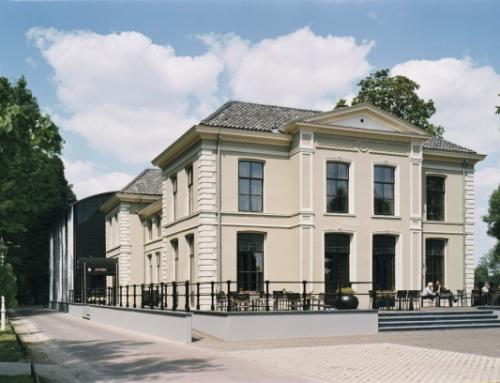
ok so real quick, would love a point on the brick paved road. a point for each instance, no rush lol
(379, 362)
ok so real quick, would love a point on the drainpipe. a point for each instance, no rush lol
(466, 162)
(219, 218)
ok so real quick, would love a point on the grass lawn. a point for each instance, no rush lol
(16, 379)
(10, 351)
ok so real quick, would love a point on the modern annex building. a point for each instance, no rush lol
(258, 192)
(78, 251)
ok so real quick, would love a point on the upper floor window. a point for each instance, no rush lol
(435, 198)
(174, 195)
(251, 178)
(158, 226)
(149, 225)
(383, 190)
(189, 173)
(337, 187)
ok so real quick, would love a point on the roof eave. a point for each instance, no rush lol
(476, 157)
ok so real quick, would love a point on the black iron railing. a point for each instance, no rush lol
(270, 296)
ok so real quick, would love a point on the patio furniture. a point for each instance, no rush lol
(279, 301)
(326, 300)
(385, 300)
(293, 301)
(462, 297)
(221, 300)
(402, 297)
(240, 301)
(445, 296)
(413, 300)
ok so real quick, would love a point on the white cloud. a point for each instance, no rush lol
(89, 178)
(131, 97)
(125, 94)
(300, 69)
(464, 94)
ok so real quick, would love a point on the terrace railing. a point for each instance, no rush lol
(229, 296)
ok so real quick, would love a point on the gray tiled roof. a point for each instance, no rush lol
(251, 116)
(437, 143)
(246, 115)
(148, 182)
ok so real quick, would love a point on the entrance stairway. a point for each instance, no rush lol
(437, 320)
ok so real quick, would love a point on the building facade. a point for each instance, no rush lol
(133, 230)
(258, 192)
(77, 238)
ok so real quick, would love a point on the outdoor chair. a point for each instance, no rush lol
(221, 300)
(475, 297)
(293, 301)
(240, 301)
(444, 296)
(413, 299)
(326, 301)
(462, 297)
(402, 298)
(279, 302)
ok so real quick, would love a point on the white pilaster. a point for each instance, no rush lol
(469, 243)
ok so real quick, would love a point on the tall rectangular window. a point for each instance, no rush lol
(336, 261)
(383, 190)
(175, 257)
(434, 260)
(190, 246)
(250, 265)
(158, 226)
(383, 262)
(174, 195)
(435, 198)
(158, 267)
(189, 173)
(337, 187)
(149, 225)
(251, 178)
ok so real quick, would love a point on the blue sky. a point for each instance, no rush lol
(123, 79)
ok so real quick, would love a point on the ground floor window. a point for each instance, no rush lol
(250, 263)
(384, 253)
(336, 261)
(434, 260)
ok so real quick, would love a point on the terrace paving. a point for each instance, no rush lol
(90, 352)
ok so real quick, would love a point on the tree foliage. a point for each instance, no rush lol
(489, 265)
(492, 219)
(8, 286)
(396, 95)
(33, 190)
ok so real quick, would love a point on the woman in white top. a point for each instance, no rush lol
(428, 292)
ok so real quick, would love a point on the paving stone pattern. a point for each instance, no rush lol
(379, 362)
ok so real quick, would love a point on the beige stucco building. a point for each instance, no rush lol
(133, 230)
(258, 192)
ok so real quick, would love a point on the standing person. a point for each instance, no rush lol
(485, 293)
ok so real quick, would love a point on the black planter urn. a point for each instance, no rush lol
(346, 302)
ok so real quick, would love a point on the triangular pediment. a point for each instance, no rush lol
(364, 117)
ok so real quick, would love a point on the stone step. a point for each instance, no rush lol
(440, 323)
(441, 327)
(434, 313)
(436, 318)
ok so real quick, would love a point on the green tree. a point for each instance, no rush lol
(8, 287)
(33, 191)
(397, 95)
(342, 103)
(489, 264)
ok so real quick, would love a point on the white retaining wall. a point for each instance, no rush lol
(280, 325)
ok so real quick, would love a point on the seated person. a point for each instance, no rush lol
(442, 290)
(428, 292)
